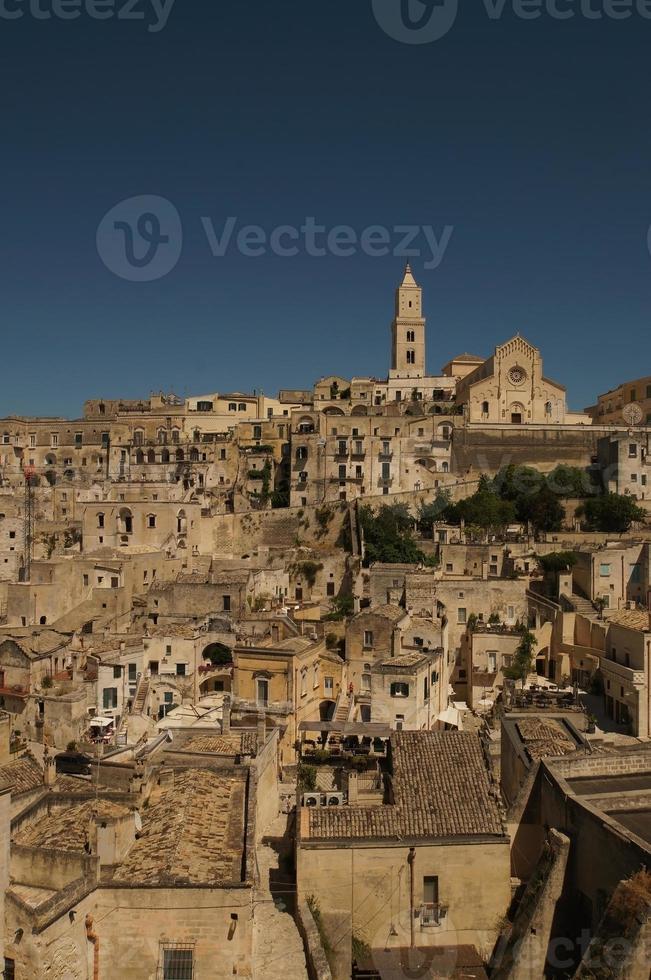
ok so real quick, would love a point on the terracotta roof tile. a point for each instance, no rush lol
(441, 789)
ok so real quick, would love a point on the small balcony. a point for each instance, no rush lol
(385, 456)
(269, 707)
(385, 481)
(432, 914)
(14, 691)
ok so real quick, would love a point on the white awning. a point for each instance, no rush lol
(451, 716)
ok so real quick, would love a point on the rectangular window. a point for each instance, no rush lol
(133, 672)
(461, 615)
(32, 440)
(632, 450)
(604, 569)
(368, 638)
(180, 670)
(117, 672)
(79, 440)
(110, 698)
(492, 661)
(328, 684)
(226, 603)
(54, 439)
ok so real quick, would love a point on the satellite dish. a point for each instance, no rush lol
(633, 414)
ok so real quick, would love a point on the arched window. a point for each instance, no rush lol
(176, 435)
(151, 456)
(165, 456)
(194, 455)
(151, 520)
(138, 437)
(140, 457)
(484, 408)
(125, 521)
(444, 467)
(162, 436)
(180, 455)
(548, 408)
(181, 522)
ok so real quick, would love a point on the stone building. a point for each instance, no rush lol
(625, 463)
(629, 403)
(509, 388)
(292, 680)
(426, 863)
(95, 881)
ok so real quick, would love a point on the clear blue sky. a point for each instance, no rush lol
(530, 138)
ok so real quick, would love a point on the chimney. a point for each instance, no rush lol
(352, 786)
(5, 734)
(226, 715)
(49, 768)
(262, 734)
(565, 583)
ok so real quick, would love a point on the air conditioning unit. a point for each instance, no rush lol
(311, 799)
(334, 799)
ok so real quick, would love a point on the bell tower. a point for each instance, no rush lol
(408, 330)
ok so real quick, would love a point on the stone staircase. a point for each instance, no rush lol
(141, 697)
(342, 711)
(583, 606)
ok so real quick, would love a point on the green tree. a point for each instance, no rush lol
(612, 512)
(543, 509)
(484, 508)
(429, 514)
(557, 561)
(388, 535)
(523, 657)
(570, 481)
(513, 482)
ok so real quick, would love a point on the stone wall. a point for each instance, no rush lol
(522, 951)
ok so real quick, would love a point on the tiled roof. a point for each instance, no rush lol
(231, 744)
(403, 661)
(441, 790)
(635, 619)
(544, 737)
(22, 775)
(389, 610)
(193, 834)
(66, 828)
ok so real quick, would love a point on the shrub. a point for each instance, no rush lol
(306, 778)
